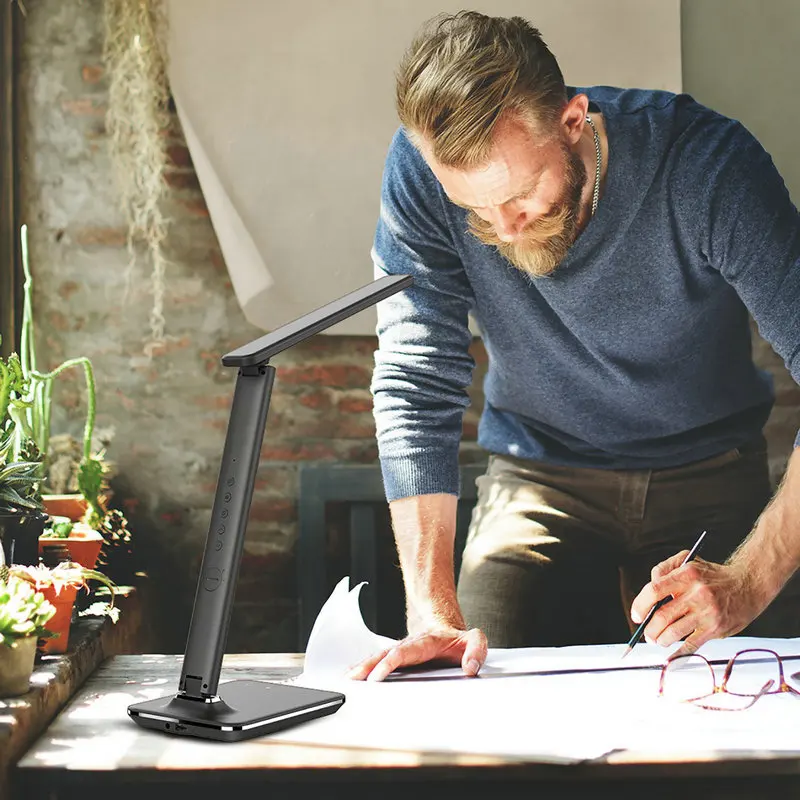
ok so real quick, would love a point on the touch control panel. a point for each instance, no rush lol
(213, 577)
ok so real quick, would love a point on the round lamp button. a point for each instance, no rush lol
(212, 579)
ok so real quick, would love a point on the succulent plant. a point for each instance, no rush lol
(67, 573)
(116, 555)
(21, 471)
(19, 486)
(23, 611)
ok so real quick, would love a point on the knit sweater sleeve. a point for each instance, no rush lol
(749, 229)
(422, 364)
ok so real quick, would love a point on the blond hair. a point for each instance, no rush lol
(462, 72)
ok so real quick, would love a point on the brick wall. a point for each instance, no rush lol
(170, 412)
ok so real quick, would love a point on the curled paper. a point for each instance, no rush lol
(340, 637)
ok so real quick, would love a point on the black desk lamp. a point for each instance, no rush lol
(243, 709)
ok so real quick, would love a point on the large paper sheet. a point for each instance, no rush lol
(546, 704)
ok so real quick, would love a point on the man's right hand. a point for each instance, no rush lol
(442, 647)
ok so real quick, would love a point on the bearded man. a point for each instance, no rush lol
(611, 245)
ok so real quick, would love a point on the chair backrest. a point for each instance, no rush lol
(360, 488)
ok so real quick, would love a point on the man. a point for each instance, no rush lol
(609, 243)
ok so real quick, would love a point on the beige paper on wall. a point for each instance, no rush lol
(288, 111)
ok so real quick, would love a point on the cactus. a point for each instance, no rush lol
(39, 385)
(23, 611)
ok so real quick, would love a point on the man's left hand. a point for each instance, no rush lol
(710, 601)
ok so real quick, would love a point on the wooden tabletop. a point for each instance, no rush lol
(93, 746)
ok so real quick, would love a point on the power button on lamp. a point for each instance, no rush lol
(212, 578)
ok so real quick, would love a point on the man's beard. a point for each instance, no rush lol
(543, 243)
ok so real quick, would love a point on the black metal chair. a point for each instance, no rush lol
(360, 488)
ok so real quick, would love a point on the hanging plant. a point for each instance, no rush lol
(138, 96)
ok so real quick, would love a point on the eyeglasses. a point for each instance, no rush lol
(691, 679)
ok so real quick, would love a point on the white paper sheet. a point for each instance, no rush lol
(559, 705)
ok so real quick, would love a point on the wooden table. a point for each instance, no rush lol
(93, 747)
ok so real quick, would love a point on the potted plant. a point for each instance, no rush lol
(77, 471)
(22, 516)
(72, 541)
(32, 419)
(59, 585)
(116, 552)
(24, 613)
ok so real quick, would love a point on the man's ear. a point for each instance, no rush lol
(573, 117)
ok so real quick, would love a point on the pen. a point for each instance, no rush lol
(662, 602)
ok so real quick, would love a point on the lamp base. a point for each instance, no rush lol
(241, 710)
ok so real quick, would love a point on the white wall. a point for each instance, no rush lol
(743, 59)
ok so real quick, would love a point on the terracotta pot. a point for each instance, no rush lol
(72, 506)
(82, 546)
(16, 666)
(60, 622)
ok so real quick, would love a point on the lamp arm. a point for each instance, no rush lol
(261, 350)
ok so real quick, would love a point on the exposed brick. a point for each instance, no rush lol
(215, 424)
(322, 346)
(173, 129)
(317, 451)
(93, 236)
(92, 73)
(355, 405)
(217, 402)
(70, 400)
(179, 155)
(336, 376)
(170, 345)
(195, 206)
(218, 261)
(58, 320)
(353, 428)
(85, 106)
(273, 510)
(364, 453)
(276, 480)
(182, 180)
(67, 289)
(127, 403)
(211, 362)
(318, 400)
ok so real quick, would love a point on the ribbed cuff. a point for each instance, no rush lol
(430, 471)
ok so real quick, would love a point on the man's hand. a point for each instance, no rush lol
(710, 601)
(444, 646)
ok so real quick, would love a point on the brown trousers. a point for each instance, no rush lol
(555, 555)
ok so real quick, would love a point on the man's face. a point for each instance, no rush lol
(526, 201)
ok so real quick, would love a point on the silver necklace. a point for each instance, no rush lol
(596, 191)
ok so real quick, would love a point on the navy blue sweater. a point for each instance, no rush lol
(635, 353)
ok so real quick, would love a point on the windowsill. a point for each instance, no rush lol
(56, 678)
